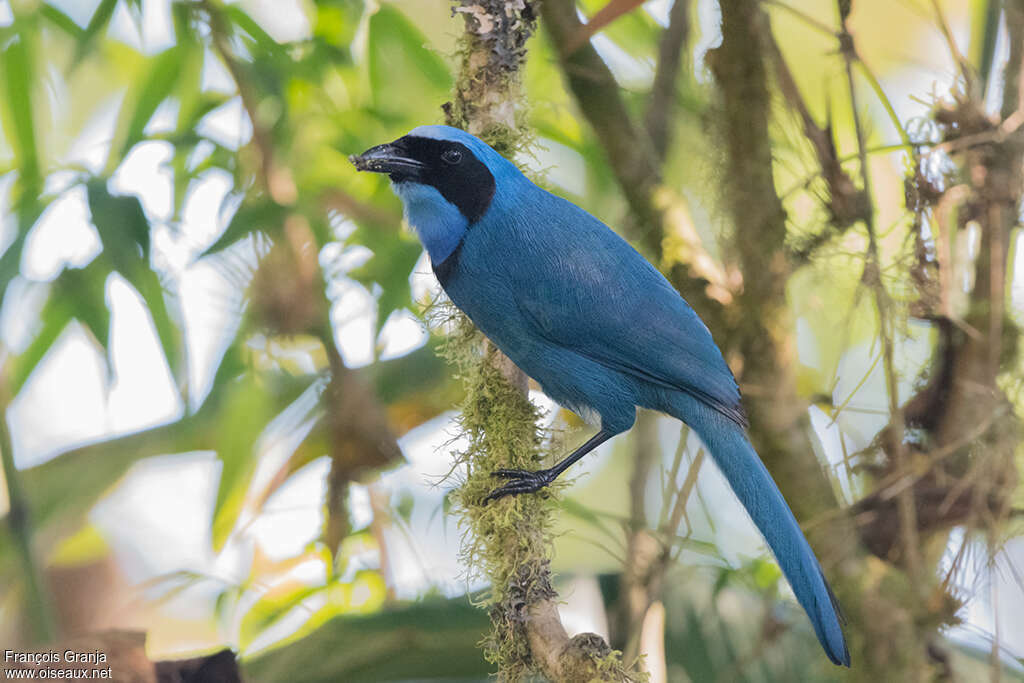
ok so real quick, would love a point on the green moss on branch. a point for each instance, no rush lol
(507, 542)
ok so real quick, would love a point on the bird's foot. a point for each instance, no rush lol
(521, 481)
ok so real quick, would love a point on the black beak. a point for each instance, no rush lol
(390, 159)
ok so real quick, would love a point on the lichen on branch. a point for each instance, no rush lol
(508, 542)
(487, 94)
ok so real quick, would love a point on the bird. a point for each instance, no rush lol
(594, 323)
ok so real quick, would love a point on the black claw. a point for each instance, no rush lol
(524, 481)
(512, 474)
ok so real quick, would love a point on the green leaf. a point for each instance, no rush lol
(63, 489)
(982, 46)
(253, 216)
(394, 281)
(122, 224)
(55, 317)
(86, 546)
(243, 21)
(406, 502)
(428, 640)
(248, 407)
(418, 372)
(156, 85)
(19, 74)
(271, 608)
(586, 514)
(124, 231)
(400, 64)
(62, 21)
(394, 257)
(191, 99)
(101, 17)
(766, 573)
(149, 287)
(692, 640)
(10, 262)
(722, 580)
(337, 23)
(247, 410)
(364, 594)
(75, 294)
(98, 22)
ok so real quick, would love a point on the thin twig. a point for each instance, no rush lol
(673, 475)
(873, 279)
(897, 482)
(846, 203)
(884, 99)
(671, 47)
(683, 497)
(954, 50)
(846, 158)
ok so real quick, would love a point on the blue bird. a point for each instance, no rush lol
(593, 322)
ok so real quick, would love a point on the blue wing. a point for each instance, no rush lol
(588, 290)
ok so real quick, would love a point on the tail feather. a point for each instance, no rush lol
(754, 486)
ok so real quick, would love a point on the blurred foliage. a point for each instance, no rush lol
(298, 228)
(436, 637)
(315, 99)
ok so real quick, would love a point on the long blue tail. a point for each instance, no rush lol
(756, 489)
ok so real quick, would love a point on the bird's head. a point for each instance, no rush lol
(446, 178)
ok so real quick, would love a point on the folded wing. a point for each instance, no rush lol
(595, 294)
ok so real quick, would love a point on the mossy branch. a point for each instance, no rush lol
(508, 541)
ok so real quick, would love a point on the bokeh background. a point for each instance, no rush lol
(227, 424)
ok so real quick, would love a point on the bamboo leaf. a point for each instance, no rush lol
(429, 640)
(62, 21)
(19, 74)
(76, 294)
(97, 23)
(275, 605)
(55, 317)
(124, 231)
(392, 262)
(101, 17)
(122, 225)
(10, 262)
(982, 47)
(263, 41)
(254, 216)
(63, 489)
(248, 407)
(399, 62)
(157, 84)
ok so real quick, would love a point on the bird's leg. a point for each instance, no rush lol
(525, 481)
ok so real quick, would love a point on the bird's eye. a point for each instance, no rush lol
(451, 156)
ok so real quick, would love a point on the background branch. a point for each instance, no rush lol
(654, 209)
(672, 45)
(779, 424)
